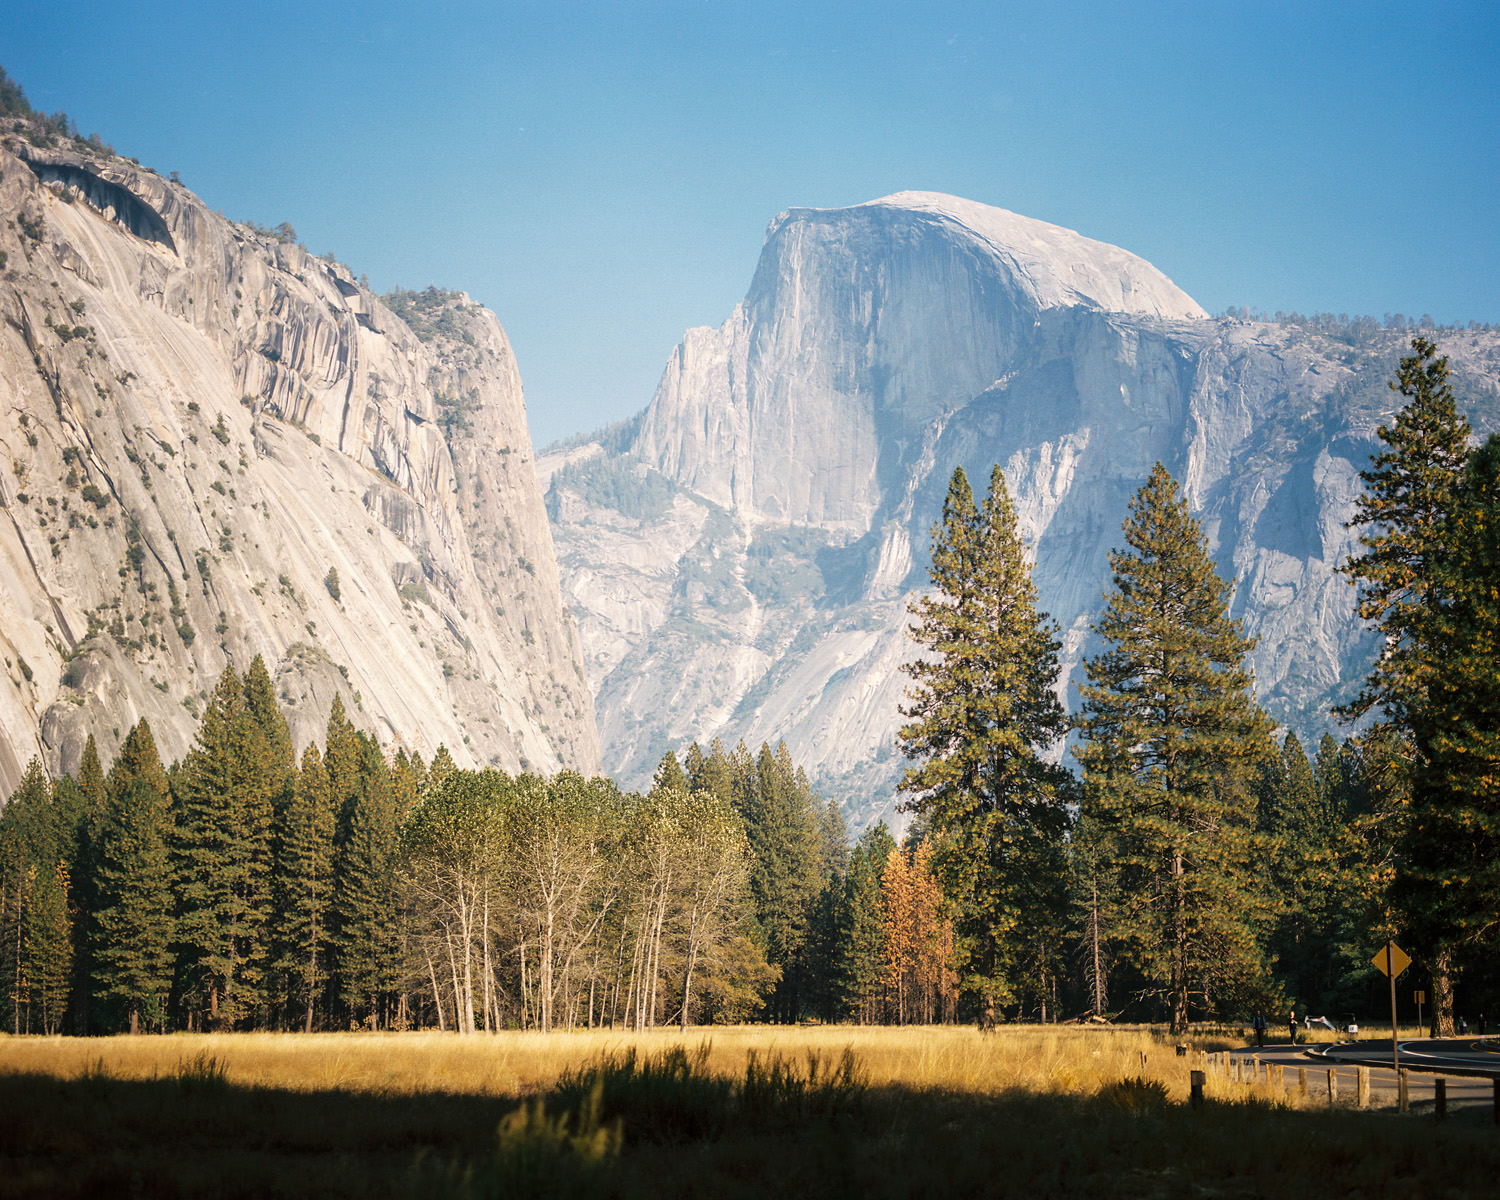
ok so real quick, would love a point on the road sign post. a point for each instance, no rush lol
(1421, 998)
(1392, 960)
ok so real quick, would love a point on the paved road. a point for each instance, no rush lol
(1469, 1066)
(1464, 1055)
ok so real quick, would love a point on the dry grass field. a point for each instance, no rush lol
(751, 1111)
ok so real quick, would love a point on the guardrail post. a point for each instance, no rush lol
(1440, 1098)
(1362, 1086)
(1333, 1086)
(1402, 1099)
(1196, 1084)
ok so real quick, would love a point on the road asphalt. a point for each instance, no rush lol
(1469, 1066)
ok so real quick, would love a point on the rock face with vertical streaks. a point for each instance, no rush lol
(741, 554)
(217, 445)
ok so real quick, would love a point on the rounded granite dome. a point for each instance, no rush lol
(1056, 267)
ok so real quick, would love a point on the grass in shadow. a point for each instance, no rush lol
(666, 1124)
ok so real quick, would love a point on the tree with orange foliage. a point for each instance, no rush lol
(918, 938)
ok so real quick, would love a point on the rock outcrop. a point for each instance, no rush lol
(217, 445)
(740, 556)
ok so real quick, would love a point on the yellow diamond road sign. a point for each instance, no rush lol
(1399, 960)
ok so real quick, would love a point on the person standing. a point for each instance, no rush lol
(1258, 1022)
(1291, 1025)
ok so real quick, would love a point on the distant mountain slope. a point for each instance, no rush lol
(206, 433)
(741, 555)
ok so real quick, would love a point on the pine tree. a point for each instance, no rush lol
(304, 888)
(713, 772)
(1094, 901)
(344, 761)
(983, 713)
(1304, 832)
(861, 957)
(37, 840)
(277, 758)
(91, 780)
(132, 967)
(1408, 508)
(1448, 880)
(222, 859)
(669, 775)
(94, 795)
(1173, 739)
(781, 821)
(1410, 492)
(365, 889)
(49, 945)
(138, 759)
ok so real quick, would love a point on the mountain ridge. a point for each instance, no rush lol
(278, 465)
(808, 440)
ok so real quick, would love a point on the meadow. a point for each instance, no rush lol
(734, 1111)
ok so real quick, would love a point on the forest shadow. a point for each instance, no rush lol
(665, 1129)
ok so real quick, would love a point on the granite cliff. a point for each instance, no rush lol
(217, 445)
(741, 554)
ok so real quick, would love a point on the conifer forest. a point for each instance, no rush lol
(1178, 861)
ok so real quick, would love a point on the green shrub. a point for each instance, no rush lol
(331, 582)
(416, 590)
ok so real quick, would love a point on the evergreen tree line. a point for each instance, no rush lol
(243, 889)
(1195, 867)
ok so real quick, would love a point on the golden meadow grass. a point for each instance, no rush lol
(1054, 1059)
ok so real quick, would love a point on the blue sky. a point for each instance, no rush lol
(602, 175)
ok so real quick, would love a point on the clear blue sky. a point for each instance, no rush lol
(602, 175)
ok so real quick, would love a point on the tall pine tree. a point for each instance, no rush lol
(132, 966)
(1407, 509)
(983, 715)
(1448, 880)
(1173, 740)
(222, 860)
(304, 889)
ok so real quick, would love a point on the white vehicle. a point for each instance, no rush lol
(1350, 1024)
(1323, 1021)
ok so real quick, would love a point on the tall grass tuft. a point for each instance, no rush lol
(666, 1097)
(203, 1073)
(778, 1092)
(1137, 1096)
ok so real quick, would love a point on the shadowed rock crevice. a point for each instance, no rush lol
(111, 200)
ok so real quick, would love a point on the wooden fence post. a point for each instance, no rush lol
(1333, 1086)
(1440, 1098)
(1362, 1086)
(1196, 1084)
(1402, 1096)
(1302, 1082)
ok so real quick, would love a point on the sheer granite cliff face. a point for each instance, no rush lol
(200, 424)
(796, 458)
